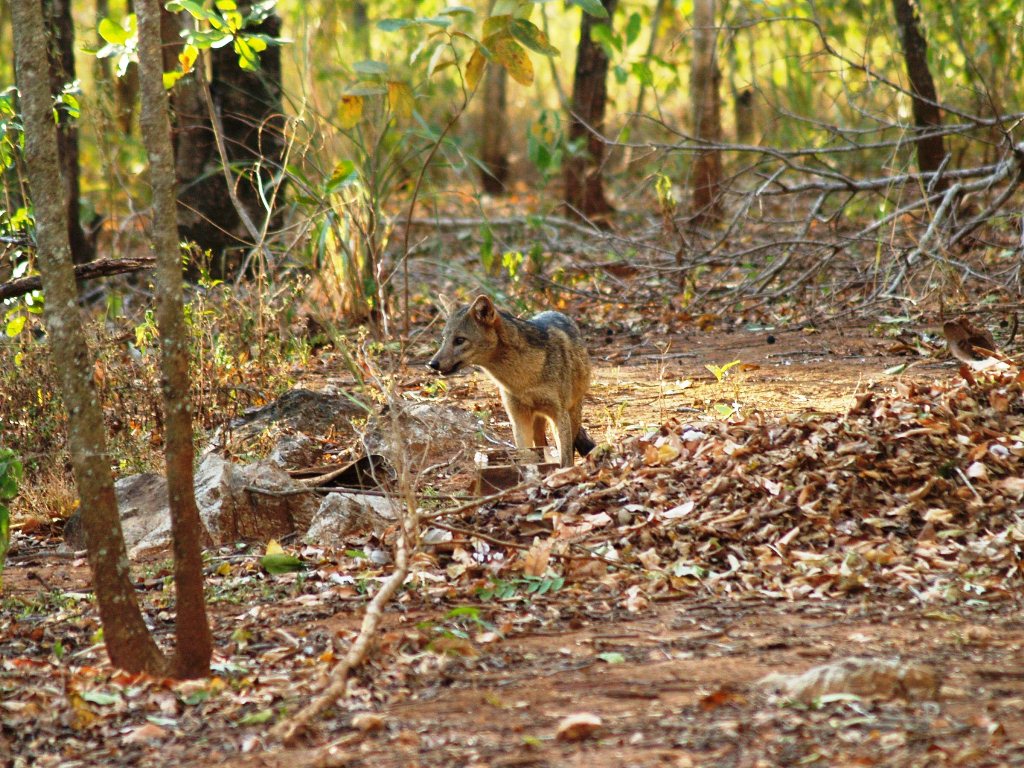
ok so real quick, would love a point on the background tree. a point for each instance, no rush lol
(61, 50)
(359, 28)
(244, 106)
(124, 89)
(931, 150)
(194, 643)
(127, 639)
(583, 171)
(705, 112)
(494, 132)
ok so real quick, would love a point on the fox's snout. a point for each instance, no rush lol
(444, 367)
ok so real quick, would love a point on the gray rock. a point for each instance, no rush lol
(145, 514)
(296, 450)
(255, 501)
(342, 516)
(299, 410)
(425, 433)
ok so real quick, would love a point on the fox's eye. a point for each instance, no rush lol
(460, 340)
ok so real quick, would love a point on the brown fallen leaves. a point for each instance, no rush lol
(920, 490)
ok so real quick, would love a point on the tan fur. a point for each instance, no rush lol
(540, 366)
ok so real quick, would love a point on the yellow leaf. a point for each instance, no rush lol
(224, 569)
(84, 717)
(170, 78)
(273, 548)
(513, 57)
(188, 57)
(475, 69)
(350, 111)
(400, 99)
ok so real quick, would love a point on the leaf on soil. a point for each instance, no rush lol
(579, 726)
(535, 562)
(864, 677)
(144, 733)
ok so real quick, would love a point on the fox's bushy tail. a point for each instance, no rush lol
(583, 443)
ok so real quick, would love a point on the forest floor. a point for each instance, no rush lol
(754, 526)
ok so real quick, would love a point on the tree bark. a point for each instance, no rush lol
(583, 174)
(128, 642)
(705, 105)
(494, 132)
(62, 71)
(931, 150)
(194, 643)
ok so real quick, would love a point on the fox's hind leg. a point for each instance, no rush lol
(565, 437)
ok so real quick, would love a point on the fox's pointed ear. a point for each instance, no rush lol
(447, 305)
(483, 311)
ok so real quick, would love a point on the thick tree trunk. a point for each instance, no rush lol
(194, 643)
(129, 644)
(931, 150)
(250, 110)
(705, 104)
(62, 71)
(494, 132)
(584, 180)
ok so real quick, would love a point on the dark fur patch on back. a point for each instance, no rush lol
(550, 319)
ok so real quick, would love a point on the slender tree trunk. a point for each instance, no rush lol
(931, 150)
(194, 643)
(129, 644)
(494, 132)
(584, 180)
(62, 71)
(705, 102)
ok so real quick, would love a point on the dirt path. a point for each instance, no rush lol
(681, 688)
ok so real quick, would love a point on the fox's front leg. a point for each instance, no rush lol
(522, 422)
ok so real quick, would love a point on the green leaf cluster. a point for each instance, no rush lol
(11, 471)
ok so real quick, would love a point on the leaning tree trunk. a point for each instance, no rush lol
(249, 107)
(62, 72)
(194, 643)
(584, 180)
(705, 105)
(494, 132)
(129, 644)
(931, 151)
